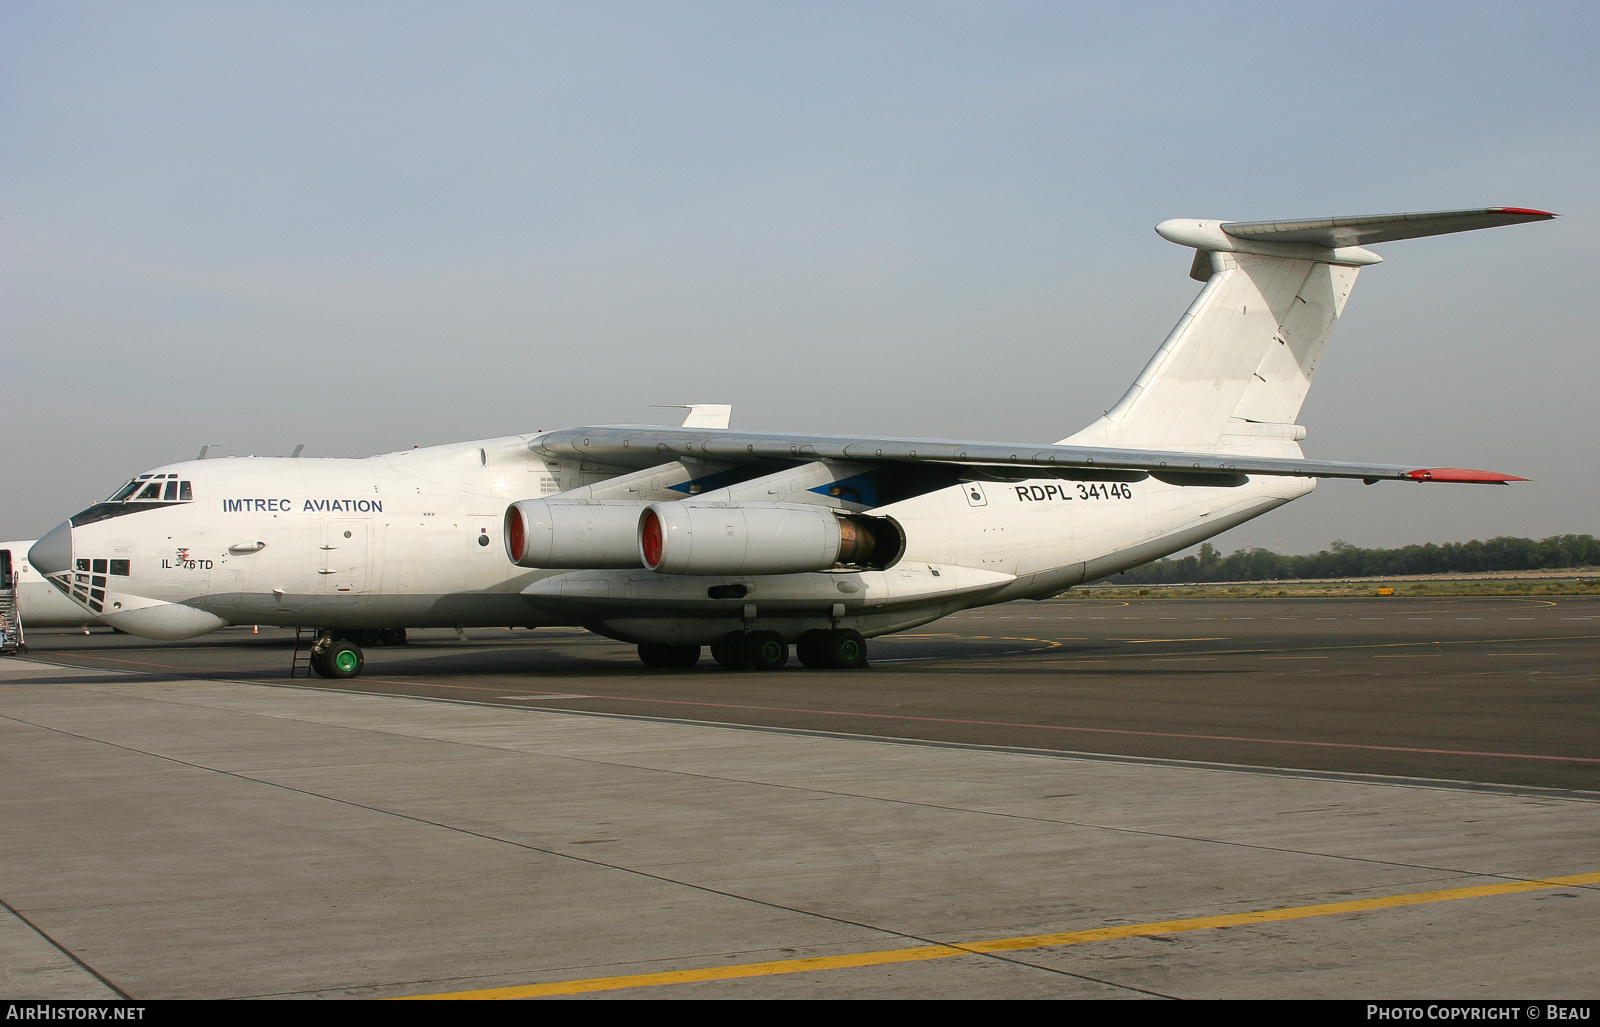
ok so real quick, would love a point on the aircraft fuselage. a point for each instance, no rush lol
(414, 539)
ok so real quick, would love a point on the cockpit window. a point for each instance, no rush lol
(165, 488)
(146, 492)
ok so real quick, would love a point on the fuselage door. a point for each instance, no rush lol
(344, 556)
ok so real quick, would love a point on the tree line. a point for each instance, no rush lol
(1343, 560)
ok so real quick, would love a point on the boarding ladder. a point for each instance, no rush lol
(12, 640)
(304, 640)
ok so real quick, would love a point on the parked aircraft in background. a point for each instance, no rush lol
(40, 605)
(676, 538)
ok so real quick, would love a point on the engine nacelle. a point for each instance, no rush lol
(601, 534)
(762, 538)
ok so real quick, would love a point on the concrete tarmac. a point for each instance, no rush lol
(1499, 690)
(995, 816)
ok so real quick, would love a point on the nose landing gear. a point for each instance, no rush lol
(336, 659)
(336, 653)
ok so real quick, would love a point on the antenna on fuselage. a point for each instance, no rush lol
(297, 450)
(205, 449)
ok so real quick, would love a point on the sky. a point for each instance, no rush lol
(368, 226)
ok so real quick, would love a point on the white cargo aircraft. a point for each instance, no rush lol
(675, 538)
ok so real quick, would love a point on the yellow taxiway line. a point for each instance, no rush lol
(1034, 941)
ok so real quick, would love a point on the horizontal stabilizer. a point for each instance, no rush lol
(1376, 228)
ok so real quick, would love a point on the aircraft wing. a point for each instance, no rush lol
(643, 446)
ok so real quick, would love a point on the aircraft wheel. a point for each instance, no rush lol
(366, 636)
(729, 650)
(765, 650)
(677, 657)
(393, 636)
(342, 660)
(812, 648)
(846, 649)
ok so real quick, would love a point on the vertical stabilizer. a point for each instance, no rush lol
(1242, 356)
(1234, 373)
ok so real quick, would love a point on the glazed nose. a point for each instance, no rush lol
(53, 553)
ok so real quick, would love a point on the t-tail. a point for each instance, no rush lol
(1232, 375)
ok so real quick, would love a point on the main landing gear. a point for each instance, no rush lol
(840, 649)
(765, 650)
(676, 657)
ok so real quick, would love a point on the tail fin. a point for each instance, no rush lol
(1234, 372)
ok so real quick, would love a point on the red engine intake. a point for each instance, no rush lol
(587, 534)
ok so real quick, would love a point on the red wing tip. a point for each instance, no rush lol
(1525, 210)
(1461, 474)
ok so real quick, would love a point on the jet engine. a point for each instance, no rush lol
(762, 538)
(600, 534)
